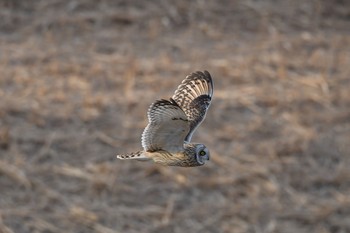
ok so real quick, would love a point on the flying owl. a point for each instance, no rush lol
(167, 137)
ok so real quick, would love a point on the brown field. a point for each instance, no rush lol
(76, 80)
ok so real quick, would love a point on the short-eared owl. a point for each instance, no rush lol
(166, 139)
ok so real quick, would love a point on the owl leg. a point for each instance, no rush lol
(139, 155)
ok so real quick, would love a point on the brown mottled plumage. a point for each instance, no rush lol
(194, 95)
(166, 139)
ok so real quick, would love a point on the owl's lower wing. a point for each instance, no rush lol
(194, 96)
(167, 128)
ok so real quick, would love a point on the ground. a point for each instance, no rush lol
(77, 78)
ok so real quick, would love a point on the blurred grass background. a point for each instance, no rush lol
(76, 80)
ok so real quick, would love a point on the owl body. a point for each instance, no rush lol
(187, 157)
(166, 139)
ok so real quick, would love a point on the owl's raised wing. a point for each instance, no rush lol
(167, 128)
(193, 96)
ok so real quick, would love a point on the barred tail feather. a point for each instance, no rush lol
(139, 155)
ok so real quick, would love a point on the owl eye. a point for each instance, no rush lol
(202, 153)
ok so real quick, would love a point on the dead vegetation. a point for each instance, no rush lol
(78, 76)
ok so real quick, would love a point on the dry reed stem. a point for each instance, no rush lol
(46, 147)
(129, 77)
(5, 137)
(73, 172)
(99, 180)
(169, 209)
(219, 160)
(82, 215)
(15, 173)
(144, 211)
(47, 191)
(107, 140)
(41, 225)
(102, 229)
(211, 220)
(178, 178)
(241, 173)
(89, 219)
(3, 227)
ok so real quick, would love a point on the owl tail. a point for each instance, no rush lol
(139, 155)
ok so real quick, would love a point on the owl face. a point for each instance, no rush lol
(202, 153)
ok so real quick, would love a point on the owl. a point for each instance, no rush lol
(167, 137)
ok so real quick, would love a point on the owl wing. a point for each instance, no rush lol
(193, 96)
(167, 128)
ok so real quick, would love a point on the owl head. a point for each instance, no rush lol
(201, 153)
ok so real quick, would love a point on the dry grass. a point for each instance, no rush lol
(77, 78)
